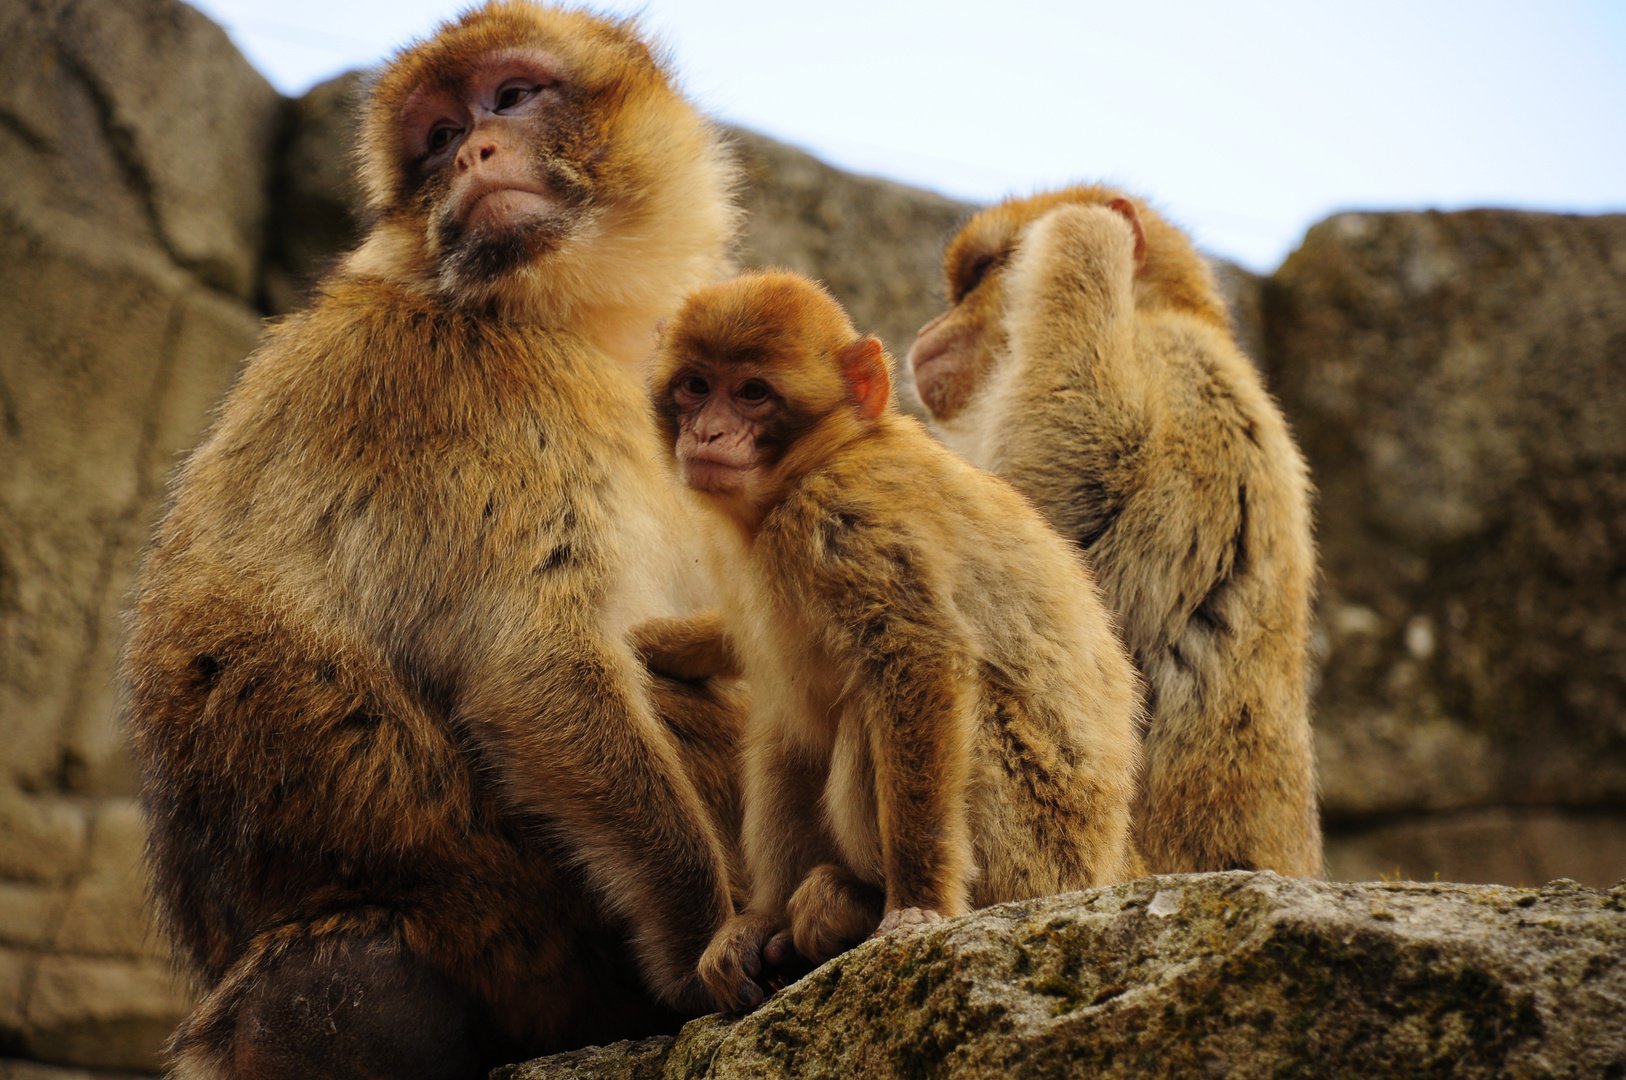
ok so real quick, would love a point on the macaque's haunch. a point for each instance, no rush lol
(942, 715)
(417, 808)
(1087, 360)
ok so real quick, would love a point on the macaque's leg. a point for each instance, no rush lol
(341, 1008)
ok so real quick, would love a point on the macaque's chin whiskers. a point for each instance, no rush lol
(483, 266)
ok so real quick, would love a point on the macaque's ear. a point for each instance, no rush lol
(864, 367)
(1127, 209)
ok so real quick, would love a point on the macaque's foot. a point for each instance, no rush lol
(831, 911)
(733, 961)
(898, 918)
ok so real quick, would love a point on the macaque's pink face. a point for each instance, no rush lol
(729, 426)
(480, 150)
(944, 356)
(954, 353)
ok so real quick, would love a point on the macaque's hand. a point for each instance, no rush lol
(733, 961)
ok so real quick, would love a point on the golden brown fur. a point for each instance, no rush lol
(1117, 400)
(397, 741)
(943, 718)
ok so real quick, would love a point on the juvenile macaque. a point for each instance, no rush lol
(943, 717)
(417, 808)
(1087, 360)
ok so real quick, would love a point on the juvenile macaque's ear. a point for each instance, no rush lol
(1127, 209)
(864, 368)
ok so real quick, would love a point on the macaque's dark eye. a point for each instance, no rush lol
(694, 384)
(979, 270)
(753, 390)
(443, 135)
(513, 94)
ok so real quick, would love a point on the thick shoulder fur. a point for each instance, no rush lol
(927, 574)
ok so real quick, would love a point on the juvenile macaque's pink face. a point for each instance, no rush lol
(727, 426)
(481, 144)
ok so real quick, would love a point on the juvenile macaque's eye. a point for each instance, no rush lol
(694, 384)
(442, 135)
(753, 390)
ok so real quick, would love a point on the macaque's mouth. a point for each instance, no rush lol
(934, 361)
(924, 362)
(705, 474)
(935, 346)
(499, 206)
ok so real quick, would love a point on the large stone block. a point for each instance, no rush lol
(106, 912)
(113, 357)
(142, 119)
(1458, 382)
(1218, 975)
(135, 158)
(83, 974)
(30, 913)
(41, 839)
(100, 1012)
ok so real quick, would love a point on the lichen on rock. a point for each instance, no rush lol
(1211, 975)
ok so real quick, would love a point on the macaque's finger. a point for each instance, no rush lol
(898, 918)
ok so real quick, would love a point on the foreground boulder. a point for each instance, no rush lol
(1204, 975)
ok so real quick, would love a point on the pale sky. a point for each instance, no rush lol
(1245, 122)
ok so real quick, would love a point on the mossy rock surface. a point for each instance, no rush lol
(1205, 975)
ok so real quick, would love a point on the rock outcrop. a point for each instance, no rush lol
(1207, 975)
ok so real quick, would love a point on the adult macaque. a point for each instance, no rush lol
(1087, 360)
(943, 717)
(413, 812)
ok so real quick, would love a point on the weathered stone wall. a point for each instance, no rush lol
(1457, 381)
(135, 151)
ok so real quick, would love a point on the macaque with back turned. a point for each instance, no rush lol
(1087, 359)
